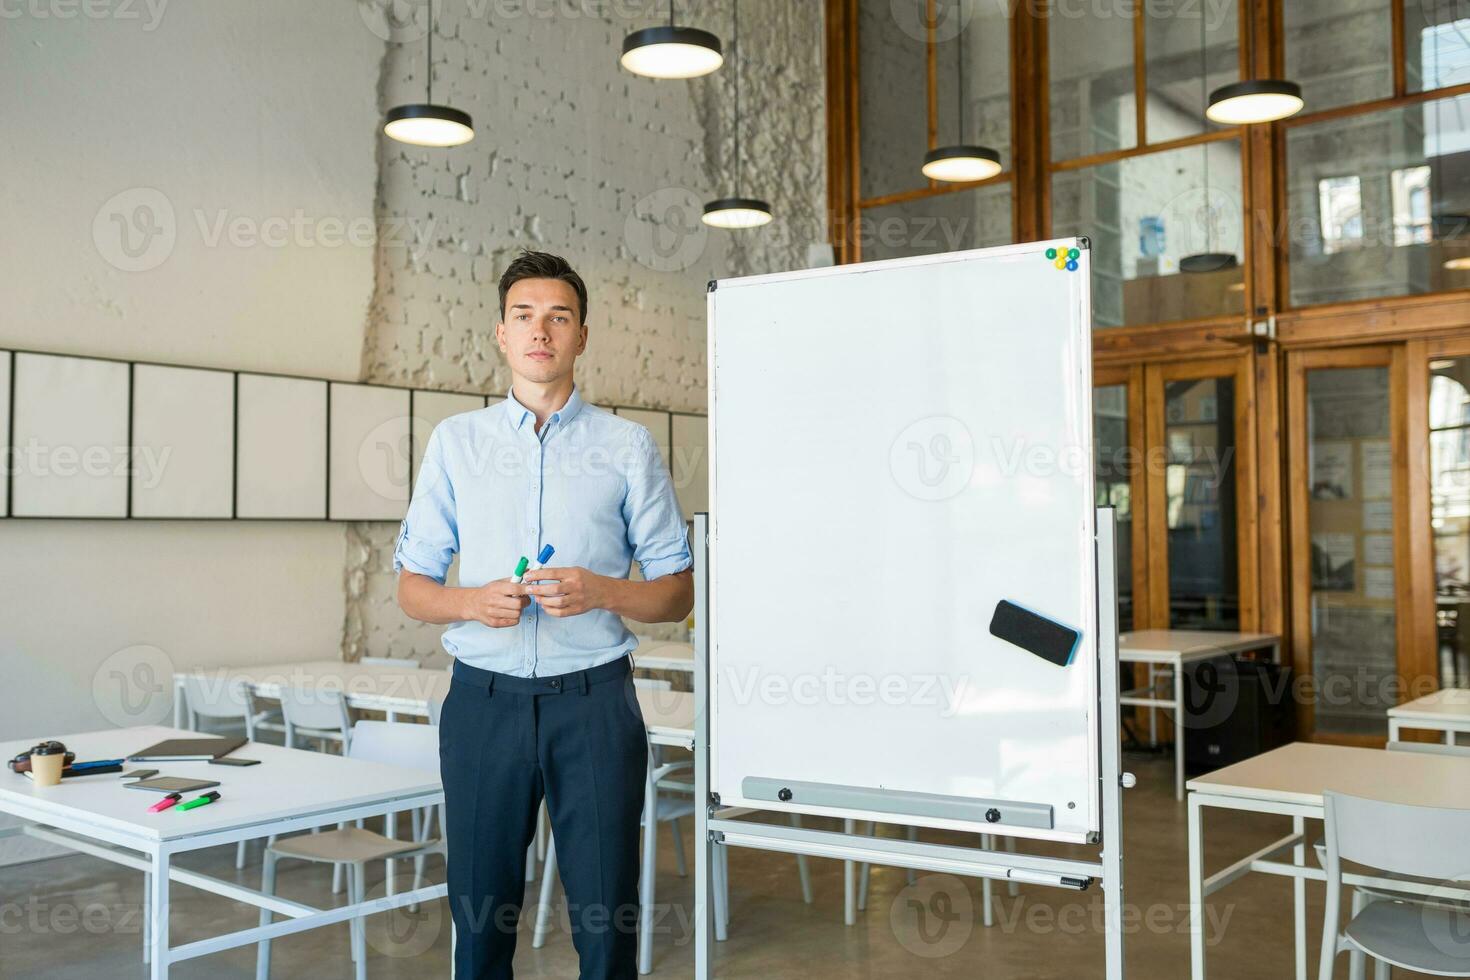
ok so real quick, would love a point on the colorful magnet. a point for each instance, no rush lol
(1072, 253)
(1051, 253)
(1061, 262)
(1071, 265)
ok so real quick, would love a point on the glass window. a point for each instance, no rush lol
(1340, 212)
(1192, 48)
(1113, 466)
(893, 96)
(1449, 498)
(1199, 501)
(1145, 216)
(1090, 73)
(1339, 53)
(1436, 43)
(1379, 204)
(947, 222)
(1349, 468)
(985, 44)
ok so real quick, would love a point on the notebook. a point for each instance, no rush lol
(187, 750)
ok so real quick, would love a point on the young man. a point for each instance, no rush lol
(542, 701)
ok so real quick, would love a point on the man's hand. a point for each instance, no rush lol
(497, 604)
(568, 591)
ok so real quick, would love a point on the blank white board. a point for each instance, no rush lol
(281, 471)
(71, 437)
(367, 459)
(690, 463)
(939, 461)
(657, 424)
(183, 442)
(5, 361)
(432, 407)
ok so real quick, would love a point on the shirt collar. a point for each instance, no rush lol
(520, 413)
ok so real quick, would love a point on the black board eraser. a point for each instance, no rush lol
(1051, 641)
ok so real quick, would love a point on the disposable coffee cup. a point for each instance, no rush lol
(46, 767)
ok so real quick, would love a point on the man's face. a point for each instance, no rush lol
(542, 332)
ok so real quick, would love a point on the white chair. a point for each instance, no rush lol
(314, 714)
(410, 746)
(226, 703)
(402, 663)
(663, 809)
(1396, 926)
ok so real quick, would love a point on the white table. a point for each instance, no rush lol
(290, 790)
(1170, 652)
(664, 655)
(1446, 711)
(668, 715)
(1290, 781)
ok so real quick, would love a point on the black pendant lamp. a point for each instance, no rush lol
(1208, 260)
(671, 52)
(737, 211)
(424, 123)
(962, 161)
(1254, 100)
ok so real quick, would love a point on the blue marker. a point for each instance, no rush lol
(545, 555)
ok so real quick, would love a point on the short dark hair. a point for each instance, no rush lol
(542, 265)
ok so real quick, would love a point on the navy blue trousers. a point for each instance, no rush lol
(505, 742)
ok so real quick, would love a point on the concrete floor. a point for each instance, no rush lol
(77, 917)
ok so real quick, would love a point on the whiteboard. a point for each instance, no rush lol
(183, 442)
(691, 463)
(429, 409)
(5, 362)
(367, 458)
(71, 437)
(896, 447)
(281, 464)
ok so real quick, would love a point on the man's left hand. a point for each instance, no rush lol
(567, 591)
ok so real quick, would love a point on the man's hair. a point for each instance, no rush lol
(542, 265)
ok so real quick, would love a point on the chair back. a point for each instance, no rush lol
(396, 744)
(653, 684)
(315, 710)
(1421, 841)
(216, 695)
(1430, 748)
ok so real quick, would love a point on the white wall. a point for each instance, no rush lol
(254, 120)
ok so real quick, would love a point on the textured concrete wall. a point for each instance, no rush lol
(576, 156)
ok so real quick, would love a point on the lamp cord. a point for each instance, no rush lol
(959, 57)
(1204, 87)
(429, 66)
(735, 44)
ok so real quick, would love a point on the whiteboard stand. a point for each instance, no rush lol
(712, 829)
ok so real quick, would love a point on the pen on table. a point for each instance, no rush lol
(197, 801)
(166, 802)
(520, 569)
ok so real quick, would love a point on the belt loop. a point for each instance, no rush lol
(490, 685)
(582, 682)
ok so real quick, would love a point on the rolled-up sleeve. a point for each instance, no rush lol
(428, 539)
(656, 530)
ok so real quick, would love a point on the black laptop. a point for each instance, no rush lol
(187, 749)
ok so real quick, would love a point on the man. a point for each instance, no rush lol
(542, 699)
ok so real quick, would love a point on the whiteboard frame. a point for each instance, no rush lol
(1094, 739)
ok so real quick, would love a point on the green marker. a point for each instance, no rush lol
(204, 800)
(521, 567)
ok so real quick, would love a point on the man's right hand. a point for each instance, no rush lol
(497, 604)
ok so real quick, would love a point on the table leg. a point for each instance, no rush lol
(157, 902)
(1179, 733)
(1393, 729)
(390, 829)
(147, 938)
(1153, 711)
(1196, 891)
(178, 703)
(1299, 899)
(849, 882)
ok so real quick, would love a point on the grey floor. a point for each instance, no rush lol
(77, 917)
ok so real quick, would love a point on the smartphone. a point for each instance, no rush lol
(232, 761)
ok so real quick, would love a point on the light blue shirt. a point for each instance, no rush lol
(491, 489)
